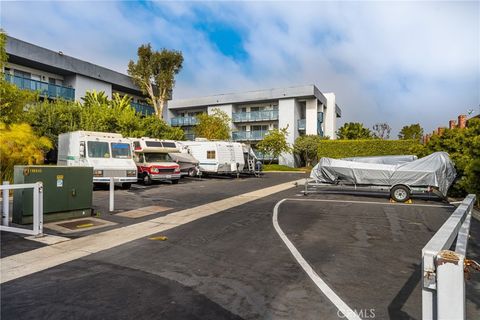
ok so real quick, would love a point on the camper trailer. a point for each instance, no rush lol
(216, 157)
(153, 160)
(252, 164)
(108, 153)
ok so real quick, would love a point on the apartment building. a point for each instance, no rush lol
(302, 109)
(58, 76)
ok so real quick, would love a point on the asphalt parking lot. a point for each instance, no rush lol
(234, 265)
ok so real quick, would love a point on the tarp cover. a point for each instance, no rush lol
(183, 157)
(384, 159)
(435, 170)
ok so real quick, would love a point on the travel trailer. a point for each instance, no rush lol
(153, 160)
(252, 164)
(109, 154)
(215, 157)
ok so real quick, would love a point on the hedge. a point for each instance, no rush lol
(364, 148)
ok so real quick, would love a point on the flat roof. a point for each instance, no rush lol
(305, 91)
(31, 55)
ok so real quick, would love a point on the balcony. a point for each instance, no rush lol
(143, 109)
(183, 121)
(45, 89)
(264, 115)
(254, 135)
(301, 124)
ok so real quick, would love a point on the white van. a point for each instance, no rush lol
(216, 157)
(109, 154)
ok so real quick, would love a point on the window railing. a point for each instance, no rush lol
(183, 121)
(264, 115)
(144, 109)
(45, 89)
(249, 135)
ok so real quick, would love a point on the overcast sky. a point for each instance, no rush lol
(394, 62)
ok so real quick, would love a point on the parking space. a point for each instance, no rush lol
(234, 265)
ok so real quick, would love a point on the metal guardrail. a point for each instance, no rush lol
(37, 208)
(46, 89)
(183, 121)
(443, 279)
(144, 109)
(263, 115)
(253, 135)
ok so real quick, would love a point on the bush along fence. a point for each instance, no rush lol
(364, 148)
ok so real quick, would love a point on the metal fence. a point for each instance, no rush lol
(443, 278)
(46, 89)
(37, 208)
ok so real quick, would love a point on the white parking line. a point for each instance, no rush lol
(327, 291)
(23, 264)
(373, 202)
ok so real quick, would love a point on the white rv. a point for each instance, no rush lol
(153, 160)
(216, 157)
(109, 154)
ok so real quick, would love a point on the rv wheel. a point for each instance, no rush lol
(400, 193)
(191, 172)
(147, 180)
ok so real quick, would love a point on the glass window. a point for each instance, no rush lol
(210, 154)
(156, 144)
(169, 145)
(157, 157)
(121, 150)
(97, 149)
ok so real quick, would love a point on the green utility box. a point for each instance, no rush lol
(67, 192)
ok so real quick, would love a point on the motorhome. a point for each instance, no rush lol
(153, 160)
(109, 154)
(216, 157)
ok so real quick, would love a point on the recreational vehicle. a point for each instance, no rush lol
(216, 157)
(153, 160)
(108, 153)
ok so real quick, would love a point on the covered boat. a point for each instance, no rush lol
(397, 159)
(435, 170)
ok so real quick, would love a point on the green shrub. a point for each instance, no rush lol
(364, 148)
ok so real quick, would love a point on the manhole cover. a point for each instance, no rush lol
(81, 224)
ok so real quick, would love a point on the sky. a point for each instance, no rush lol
(394, 62)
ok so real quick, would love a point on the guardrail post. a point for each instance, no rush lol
(450, 285)
(112, 190)
(6, 206)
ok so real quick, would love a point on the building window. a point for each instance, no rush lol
(51, 80)
(210, 154)
(22, 74)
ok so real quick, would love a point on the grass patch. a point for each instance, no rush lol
(279, 167)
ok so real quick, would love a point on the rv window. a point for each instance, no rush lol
(82, 149)
(157, 157)
(121, 150)
(169, 145)
(210, 154)
(97, 149)
(156, 144)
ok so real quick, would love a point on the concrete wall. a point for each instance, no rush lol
(287, 116)
(83, 84)
(330, 116)
(311, 116)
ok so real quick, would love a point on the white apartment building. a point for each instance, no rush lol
(56, 75)
(303, 109)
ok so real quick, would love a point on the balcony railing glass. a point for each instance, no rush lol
(144, 109)
(254, 135)
(45, 89)
(183, 121)
(264, 115)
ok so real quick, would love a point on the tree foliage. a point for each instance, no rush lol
(13, 101)
(364, 148)
(353, 130)
(154, 73)
(215, 126)
(275, 143)
(3, 52)
(19, 145)
(463, 146)
(411, 132)
(381, 130)
(306, 147)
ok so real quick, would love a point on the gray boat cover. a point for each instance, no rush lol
(183, 157)
(435, 170)
(384, 159)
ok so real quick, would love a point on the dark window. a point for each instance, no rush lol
(51, 80)
(121, 150)
(97, 149)
(156, 144)
(169, 145)
(210, 154)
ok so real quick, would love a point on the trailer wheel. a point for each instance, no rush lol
(400, 193)
(191, 172)
(147, 180)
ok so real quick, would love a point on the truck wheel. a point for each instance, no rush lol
(191, 172)
(147, 180)
(175, 181)
(400, 193)
(126, 186)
